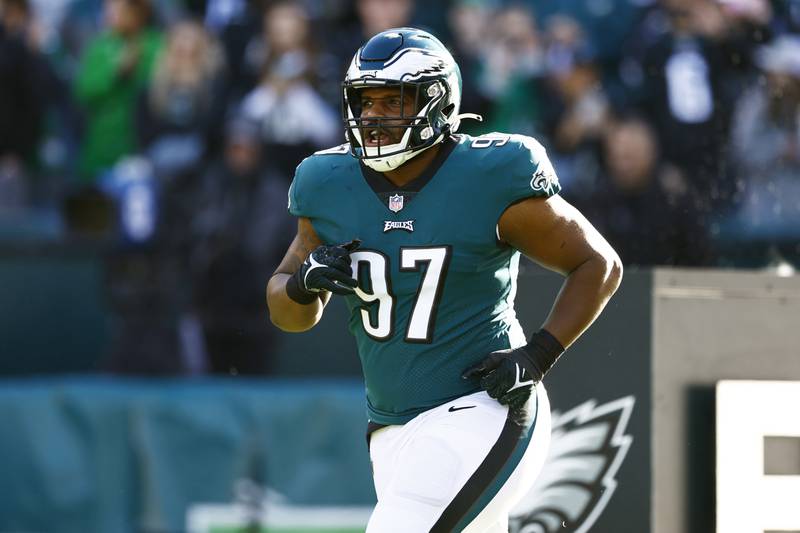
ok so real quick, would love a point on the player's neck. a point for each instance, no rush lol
(411, 170)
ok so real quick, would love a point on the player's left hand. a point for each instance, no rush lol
(503, 376)
(509, 375)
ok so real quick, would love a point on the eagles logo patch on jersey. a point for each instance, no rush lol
(406, 225)
(544, 180)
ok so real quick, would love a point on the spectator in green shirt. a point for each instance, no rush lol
(114, 68)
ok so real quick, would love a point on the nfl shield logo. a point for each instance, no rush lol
(395, 203)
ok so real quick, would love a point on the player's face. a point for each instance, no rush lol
(385, 102)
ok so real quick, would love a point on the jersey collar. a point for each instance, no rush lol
(383, 188)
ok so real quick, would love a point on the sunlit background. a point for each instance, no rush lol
(146, 149)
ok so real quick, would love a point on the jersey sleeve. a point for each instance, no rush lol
(527, 171)
(299, 199)
(314, 183)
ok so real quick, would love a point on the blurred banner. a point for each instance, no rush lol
(109, 456)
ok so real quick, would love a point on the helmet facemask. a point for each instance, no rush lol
(410, 133)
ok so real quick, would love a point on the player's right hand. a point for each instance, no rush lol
(327, 268)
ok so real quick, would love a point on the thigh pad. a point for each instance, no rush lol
(430, 473)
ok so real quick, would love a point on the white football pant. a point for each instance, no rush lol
(461, 466)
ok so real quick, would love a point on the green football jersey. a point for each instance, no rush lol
(436, 287)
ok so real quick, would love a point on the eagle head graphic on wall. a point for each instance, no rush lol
(577, 480)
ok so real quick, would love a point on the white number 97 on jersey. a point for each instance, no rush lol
(380, 325)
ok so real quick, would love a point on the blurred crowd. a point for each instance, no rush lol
(170, 130)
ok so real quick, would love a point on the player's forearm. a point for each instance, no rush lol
(585, 293)
(288, 314)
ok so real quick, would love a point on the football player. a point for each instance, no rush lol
(420, 229)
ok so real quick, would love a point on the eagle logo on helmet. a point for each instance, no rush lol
(438, 67)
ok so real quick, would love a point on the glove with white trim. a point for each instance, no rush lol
(503, 377)
(509, 375)
(327, 268)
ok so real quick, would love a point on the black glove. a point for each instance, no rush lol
(502, 375)
(509, 375)
(327, 268)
